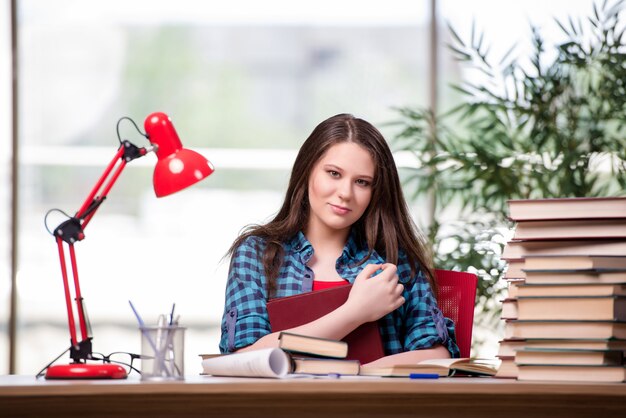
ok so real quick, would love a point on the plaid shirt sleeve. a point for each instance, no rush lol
(245, 318)
(425, 324)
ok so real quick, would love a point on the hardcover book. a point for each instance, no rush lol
(312, 346)
(508, 369)
(608, 374)
(569, 357)
(577, 262)
(517, 250)
(509, 347)
(570, 229)
(515, 270)
(565, 329)
(576, 277)
(509, 309)
(592, 308)
(530, 290)
(513, 288)
(364, 343)
(567, 208)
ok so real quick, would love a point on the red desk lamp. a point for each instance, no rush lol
(176, 169)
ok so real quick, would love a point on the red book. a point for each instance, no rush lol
(364, 343)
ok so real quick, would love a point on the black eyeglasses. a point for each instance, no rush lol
(122, 358)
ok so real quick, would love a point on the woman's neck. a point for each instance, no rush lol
(328, 245)
(326, 240)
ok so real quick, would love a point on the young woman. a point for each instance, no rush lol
(344, 219)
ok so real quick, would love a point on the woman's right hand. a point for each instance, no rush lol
(371, 298)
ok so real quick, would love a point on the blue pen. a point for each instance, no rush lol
(172, 314)
(141, 324)
(142, 327)
(423, 376)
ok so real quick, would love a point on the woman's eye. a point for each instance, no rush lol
(361, 182)
(333, 173)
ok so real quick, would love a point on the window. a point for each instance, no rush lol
(244, 83)
(243, 88)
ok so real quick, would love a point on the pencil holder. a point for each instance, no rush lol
(163, 353)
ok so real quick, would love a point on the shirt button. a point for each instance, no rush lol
(308, 276)
(298, 247)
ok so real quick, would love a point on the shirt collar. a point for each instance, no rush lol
(353, 250)
(299, 243)
(356, 250)
(352, 247)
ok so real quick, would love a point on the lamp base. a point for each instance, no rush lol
(86, 371)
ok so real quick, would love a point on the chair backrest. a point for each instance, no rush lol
(457, 294)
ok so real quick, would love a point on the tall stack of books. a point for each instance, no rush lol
(566, 309)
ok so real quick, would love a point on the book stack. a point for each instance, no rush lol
(295, 354)
(566, 308)
(310, 355)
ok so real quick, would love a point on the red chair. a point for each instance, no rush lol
(457, 294)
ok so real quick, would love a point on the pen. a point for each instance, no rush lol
(423, 376)
(141, 324)
(159, 332)
(172, 314)
(162, 340)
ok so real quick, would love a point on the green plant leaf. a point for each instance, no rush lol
(456, 37)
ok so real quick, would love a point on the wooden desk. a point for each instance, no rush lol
(198, 396)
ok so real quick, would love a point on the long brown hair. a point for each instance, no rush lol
(386, 225)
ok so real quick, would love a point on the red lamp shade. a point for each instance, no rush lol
(177, 167)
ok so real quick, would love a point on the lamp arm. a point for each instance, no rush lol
(72, 230)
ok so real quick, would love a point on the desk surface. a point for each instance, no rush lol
(23, 396)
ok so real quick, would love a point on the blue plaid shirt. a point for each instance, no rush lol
(415, 325)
